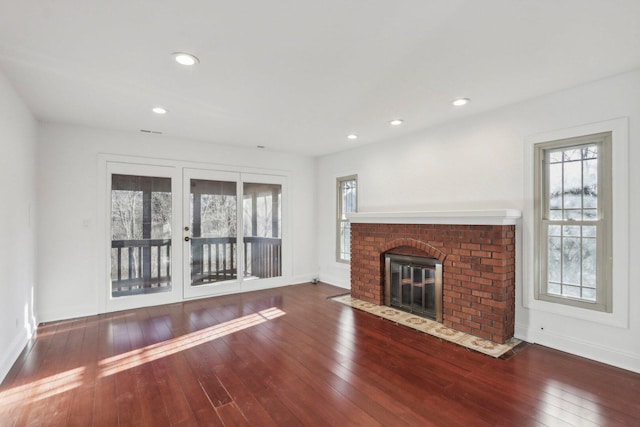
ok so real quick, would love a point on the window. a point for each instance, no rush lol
(347, 203)
(573, 221)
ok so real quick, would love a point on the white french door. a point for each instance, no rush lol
(232, 231)
(178, 232)
(211, 221)
(143, 218)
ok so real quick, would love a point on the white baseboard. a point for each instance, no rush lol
(67, 313)
(599, 353)
(12, 353)
(334, 280)
(522, 333)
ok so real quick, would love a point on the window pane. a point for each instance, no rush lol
(573, 214)
(571, 230)
(589, 231)
(347, 203)
(572, 181)
(590, 183)
(589, 262)
(555, 259)
(345, 240)
(589, 294)
(554, 288)
(571, 260)
(590, 152)
(572, 154)
(555, 186)
(571, 291)
(555, 157)
(348, 196)
(555, 214)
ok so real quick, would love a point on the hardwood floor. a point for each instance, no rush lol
(289, 357)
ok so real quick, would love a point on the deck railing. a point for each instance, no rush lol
(214, 258)
(140, 266)
(144, 265)
(263, 257)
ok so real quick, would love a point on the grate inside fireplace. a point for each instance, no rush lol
(414, 284)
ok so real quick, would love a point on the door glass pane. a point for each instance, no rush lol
(213, 221)
(140, 235)
(262, 214)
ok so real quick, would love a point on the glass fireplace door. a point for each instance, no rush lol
(414, 284)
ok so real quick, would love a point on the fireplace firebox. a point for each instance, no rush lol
(414, 284)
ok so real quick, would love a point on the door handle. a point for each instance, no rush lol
(186, 239)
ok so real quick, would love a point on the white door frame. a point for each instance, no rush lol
(131, 165)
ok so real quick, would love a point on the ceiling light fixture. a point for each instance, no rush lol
(352, 136)
(185, 59)
(460, 102)
(159, 110)
(396, 122)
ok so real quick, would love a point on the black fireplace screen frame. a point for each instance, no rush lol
(423, 275)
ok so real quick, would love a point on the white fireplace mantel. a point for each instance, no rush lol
(479, 217)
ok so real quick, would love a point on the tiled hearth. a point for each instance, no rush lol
(476, 248)
(430, 327)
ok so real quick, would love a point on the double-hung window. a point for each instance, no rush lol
(573, 221)
(347, 203)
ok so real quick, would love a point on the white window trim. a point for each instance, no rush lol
(340, 179)
(619, 316)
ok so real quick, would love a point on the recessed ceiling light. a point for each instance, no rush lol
(186, 59)
(159, 110)
(352, 136)
(396, 122)
(460, 102)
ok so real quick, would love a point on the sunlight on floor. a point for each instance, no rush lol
(44, 388)
(68, 380)
(133, 358)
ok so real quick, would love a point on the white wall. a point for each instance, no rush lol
(18, 139)
(478, 163)
(70, 258)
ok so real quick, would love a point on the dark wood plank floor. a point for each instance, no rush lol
(289, 357)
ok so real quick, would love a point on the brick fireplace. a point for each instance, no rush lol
(477, 251)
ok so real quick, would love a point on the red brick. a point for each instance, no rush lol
(478, 266)
(482, 334)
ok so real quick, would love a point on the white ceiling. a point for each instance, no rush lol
(299, 75)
